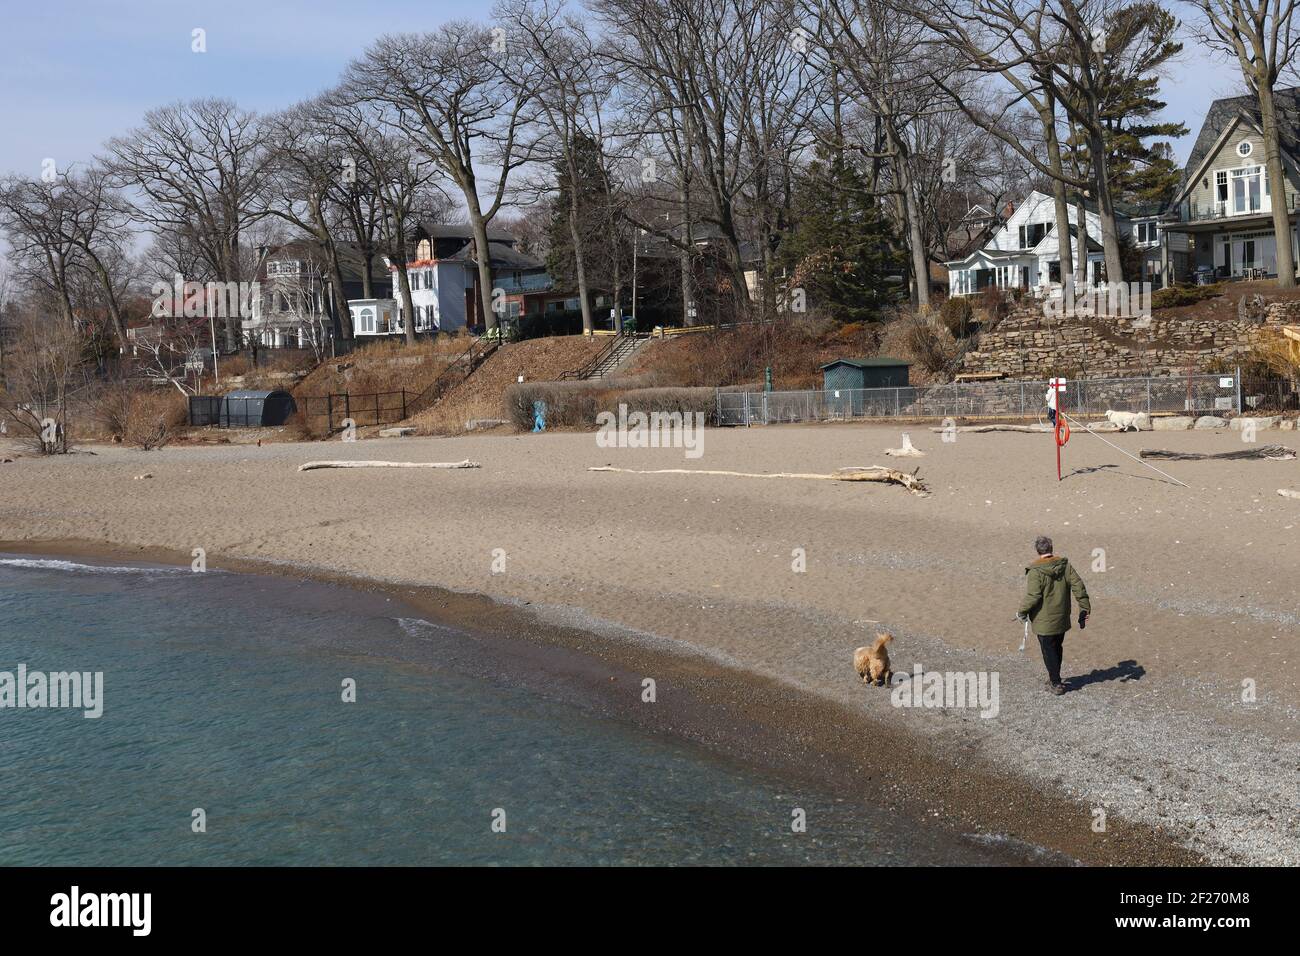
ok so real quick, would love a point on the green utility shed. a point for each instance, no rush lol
(865, 373)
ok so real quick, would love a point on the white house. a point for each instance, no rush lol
(1025, 252)
(444, 283)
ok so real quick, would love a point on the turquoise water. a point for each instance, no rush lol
(223, 692)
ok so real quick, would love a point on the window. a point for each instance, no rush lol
(1246, 189)
(367, 321)
(1033, 233)
(1148, 233)
(1244, 148)
(1221, 192)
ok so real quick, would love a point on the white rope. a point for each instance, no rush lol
(1122, 451)
(1026, 635)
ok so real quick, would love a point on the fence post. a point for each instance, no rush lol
(1148, 397)
(347, 405)
(1240, 411)
(377, 408)
(403, 404)
(329, 411)
(898, 404)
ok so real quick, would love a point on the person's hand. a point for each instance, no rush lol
(1022, 618)
(1083, 619)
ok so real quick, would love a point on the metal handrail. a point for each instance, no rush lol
(591, 366)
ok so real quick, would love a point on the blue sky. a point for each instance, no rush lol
(75, 73)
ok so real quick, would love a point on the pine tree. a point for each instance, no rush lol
(841, 251)
(1139, 39)
(594, 220)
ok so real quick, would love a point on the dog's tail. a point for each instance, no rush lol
(881, 641)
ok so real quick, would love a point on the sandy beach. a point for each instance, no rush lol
(691, 577)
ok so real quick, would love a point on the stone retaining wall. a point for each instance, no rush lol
(1027, 344)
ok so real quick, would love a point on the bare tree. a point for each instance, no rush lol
(1261, 35)
(37, 218)
(198, 170)
(309, 170)
(446, 91)
(42, 368)
(722, 86)
(889, 68)
(563, 70)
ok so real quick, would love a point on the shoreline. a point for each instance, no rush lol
(737, 714)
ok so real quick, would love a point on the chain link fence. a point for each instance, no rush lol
(1203, 394)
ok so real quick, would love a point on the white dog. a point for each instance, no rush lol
(1129, 421)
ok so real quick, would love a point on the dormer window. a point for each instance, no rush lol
(1244, 148)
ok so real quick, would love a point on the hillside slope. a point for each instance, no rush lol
(480, 396)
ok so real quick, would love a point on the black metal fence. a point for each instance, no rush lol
(339, 409)
(334, 411)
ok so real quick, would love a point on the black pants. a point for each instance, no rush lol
(1051, 646)
(1051, 414)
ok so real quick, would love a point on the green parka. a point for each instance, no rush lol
(1049, 582)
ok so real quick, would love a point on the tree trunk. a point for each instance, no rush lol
(1047, 115)
(1105, 203)
(579, 261)
(408, 307)
(483, 255)
(342, 318)
(1277, 188)
(1081, 271)
(916, 242)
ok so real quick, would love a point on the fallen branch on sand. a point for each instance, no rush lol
(993, 428)
(852, 473)
(1288, 493)
(313, 465)
(1269, 452)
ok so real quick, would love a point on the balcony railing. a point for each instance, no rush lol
(531, 283)
(1200, 212)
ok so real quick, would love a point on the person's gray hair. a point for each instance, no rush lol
(1043, 544)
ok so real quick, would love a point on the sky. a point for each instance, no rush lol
(75, 72)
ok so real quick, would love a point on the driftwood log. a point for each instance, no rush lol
(1288, 493)
(313, 465)
(907, 451)
(1269, 452)
(975, 429)
(853, 473)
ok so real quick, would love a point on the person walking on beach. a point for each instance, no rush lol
(1051, 399)
(1049, 583)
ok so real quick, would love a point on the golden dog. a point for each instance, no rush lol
(872, 663)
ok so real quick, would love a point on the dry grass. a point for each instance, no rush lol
(794, 349)
(482, 395)
(386, 366)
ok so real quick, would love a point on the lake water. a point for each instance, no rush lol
(224, 692)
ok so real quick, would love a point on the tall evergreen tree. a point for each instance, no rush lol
(595, 219)
(841, 251)
(1139, 40)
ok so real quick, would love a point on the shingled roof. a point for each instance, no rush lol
(1224, 111)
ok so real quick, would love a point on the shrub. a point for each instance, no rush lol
(147, 418)
(1177, 295)
(957, 316)
(576, 404)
